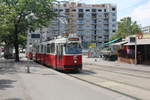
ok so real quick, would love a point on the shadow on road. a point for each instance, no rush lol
(13, 99)
(6, 83)
(88, 72)
(7, 67)
(83, 72)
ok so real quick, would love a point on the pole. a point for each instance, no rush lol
(58, 17)
(28, 66)
(135, 50)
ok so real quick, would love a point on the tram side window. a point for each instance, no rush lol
(61, 52)
(45, 50)
(37, 49)
(41, 48)
(48, 48)
(52, 48)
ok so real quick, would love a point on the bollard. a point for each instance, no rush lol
(28, 67)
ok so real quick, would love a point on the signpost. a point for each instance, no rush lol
(28, 65)
(135, 51)
(134, 40)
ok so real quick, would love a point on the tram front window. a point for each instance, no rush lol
(73, 48)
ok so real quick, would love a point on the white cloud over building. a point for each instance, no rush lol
(142, 14)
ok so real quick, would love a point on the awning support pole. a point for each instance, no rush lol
(135, 51)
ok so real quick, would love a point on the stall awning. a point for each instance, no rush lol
(141, 42)
(119, 43)
(113, 41)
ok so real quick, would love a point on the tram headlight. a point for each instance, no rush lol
(75, 61)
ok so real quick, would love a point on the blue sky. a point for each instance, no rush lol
(139, 10)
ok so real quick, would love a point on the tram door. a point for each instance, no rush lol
(59, 55)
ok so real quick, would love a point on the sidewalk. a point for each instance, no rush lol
(46, 84)
(100, 61)
(11, 87)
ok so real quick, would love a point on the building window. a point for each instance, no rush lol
(94, 21)
(66, 10)
(113, 25)
(113, 14)
(65, 5)
(100, 37)
(106, 36)
(93, 10)
(100, 10)
(80, 15)
(93, 15)
(80, 10)
(74, 10)
(79, 5)
(113, 9)
(87, 10)
(95, 32)
(94, 37)
(114, 31)
(106, 14)
(55, 9)
(113, 20)
(60, 10)
(104, 10)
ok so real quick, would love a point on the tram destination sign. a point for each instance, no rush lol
(73, 39)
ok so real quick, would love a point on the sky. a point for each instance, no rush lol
(139, 10)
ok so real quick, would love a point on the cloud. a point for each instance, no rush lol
(142, 14)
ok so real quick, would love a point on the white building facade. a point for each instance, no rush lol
(94, 23)
(33, 38)
(146, 29)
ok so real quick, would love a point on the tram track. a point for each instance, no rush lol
(112, 69)
(132, 75)
(122, 73)
(108, 79)
(101, 86)
(137, 74)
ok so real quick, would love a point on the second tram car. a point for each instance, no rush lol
(29, 52)
(64, 53)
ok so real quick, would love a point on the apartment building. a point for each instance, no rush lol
(94, 23)
(32, 38)
(146, 29)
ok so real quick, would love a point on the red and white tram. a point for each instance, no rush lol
(29, 52)
(64, 53)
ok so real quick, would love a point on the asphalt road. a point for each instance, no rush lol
(46, 84)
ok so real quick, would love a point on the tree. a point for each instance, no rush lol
(20, 16)
(126, 27)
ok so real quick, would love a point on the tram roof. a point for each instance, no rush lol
(61, 39)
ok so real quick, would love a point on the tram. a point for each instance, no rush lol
(62, 53)
(29, 52)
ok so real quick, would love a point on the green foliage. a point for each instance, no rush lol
(22, 40)
(126, 27)
(28, 14)
(20, 16)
